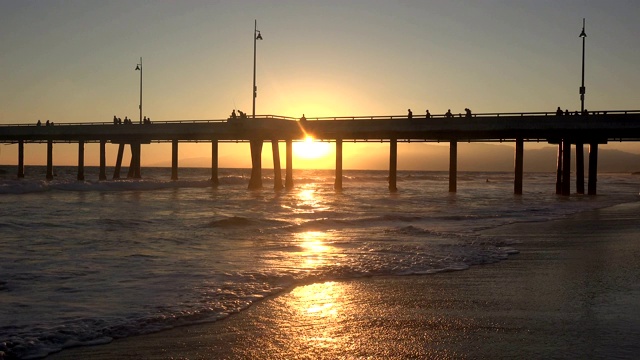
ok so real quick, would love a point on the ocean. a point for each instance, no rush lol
(86, 262)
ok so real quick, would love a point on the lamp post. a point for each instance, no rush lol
(256, 36)
(139, 67)
(583, 35)
(579, 145)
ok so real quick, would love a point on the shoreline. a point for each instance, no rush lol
(571, 292)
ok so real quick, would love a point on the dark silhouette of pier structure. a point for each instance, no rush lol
(595, 128)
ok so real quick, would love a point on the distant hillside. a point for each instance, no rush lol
(471, 157)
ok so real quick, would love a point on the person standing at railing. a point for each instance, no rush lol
(303, 119)
(559, 111)
(448, 114)
(38, 123)
(467, 112)
(409, 114)
(428, 115)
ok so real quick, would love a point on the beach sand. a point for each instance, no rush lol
(573, 292)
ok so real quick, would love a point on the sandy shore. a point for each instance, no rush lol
(573, 292)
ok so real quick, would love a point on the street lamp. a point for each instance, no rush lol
(256, 36)
(139, 67)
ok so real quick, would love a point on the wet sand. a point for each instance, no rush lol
(572, 292)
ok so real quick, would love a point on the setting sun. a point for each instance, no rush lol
(310, 149)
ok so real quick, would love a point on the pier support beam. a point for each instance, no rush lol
(256, 164)
(174, 159)
(116, 171)
(21, 159)
(288, 182)
(134, 164)
(338, 183)
(593, 168)
(49, 160)
(103, 161)
(519, 167)
(136, 172)
(579, 168)
(566, 168)
(277, 171)
(214, 162)
(453, 166)
(393, 165)
(559, 170)
(81, 160)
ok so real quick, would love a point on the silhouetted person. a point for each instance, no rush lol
(115, 120)
(233, 114)
(48, 123)
(448, 114)
(559, 111)
(303, 119)
(428, 115)
(409, 114)
(467, 112)
(566, 112)
(38, 123)
(585, 112)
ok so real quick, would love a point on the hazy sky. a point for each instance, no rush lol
(74, 61)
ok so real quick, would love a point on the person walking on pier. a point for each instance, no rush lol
(409, 114)
(428, 115)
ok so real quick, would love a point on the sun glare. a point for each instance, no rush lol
(311, 149)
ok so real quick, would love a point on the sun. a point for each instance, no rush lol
(310, 149)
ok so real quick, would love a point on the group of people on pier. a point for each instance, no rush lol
(566, 112)
(448, 114)
(127, 121)
(241, 115)
(48, 123)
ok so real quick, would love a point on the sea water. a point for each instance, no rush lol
(84, 262)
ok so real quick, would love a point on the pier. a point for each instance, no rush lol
(565, 131)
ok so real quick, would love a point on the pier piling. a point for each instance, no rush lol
(453, 166)
(579, 168)
(116, 170)
(277, 171)
(214, 162)
(174, 159)
(21, 159)
(103, 161)
(559, 170)
(288, 182)
(593, 168)
(566, 167)
(81, 160)
(256, 164)
(519, 167)
(393, 164)
(338, 182)
(49, 160)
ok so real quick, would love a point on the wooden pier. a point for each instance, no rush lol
(593, 129)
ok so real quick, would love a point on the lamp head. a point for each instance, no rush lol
(138, 67)
(583, 34)
(259, 36)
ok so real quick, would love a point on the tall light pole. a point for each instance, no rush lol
(256, 36)
(139, 67)
(583, 35)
